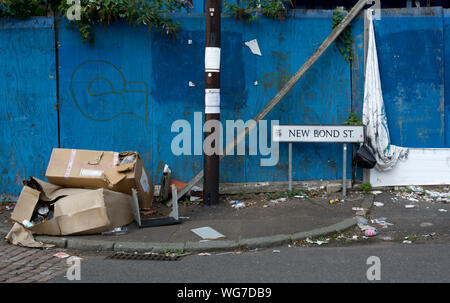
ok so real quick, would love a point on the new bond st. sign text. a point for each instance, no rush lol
(318, 133)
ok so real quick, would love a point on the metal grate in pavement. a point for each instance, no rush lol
(152, 256)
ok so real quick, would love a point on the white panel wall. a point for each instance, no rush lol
(425, 166)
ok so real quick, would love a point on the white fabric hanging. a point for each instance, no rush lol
(374, 114)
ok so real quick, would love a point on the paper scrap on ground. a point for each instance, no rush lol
(318, 242)
(254, 47)
(378, 204)
(207, 233)
(237, 204)
(61, 255)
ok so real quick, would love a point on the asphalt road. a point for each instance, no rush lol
(399, 263)
(426, 259)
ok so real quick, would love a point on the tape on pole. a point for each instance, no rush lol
(212, 101)
(212, 59)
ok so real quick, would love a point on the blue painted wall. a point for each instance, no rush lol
(28, 113)
(125, 91)
(142, 121)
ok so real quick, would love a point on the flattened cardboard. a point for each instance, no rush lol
(19, 235)
(80, 212)
(100, 169)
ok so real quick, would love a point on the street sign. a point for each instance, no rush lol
(318, 133)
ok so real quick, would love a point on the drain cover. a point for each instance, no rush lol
(152, 256)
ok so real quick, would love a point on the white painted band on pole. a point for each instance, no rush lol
(212, 109)
(212, 59)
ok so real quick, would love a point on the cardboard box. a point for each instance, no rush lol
(100, 169)
(76, 211)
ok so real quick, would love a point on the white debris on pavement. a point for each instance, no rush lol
(207, 233)
(237, 204)
(318, 242)
(378, 204)
(417, 193)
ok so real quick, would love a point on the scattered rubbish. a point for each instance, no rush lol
(148, 212)
(276, 251)
(386, 238)
(300, 197)
(61, 255)
(365, 227)
(116, 231)
(254, 47)
(360, 211)
(376, 192)
(164, 192)
(407, 242)
(370, 232)
(378, 204)
(27, 224)
(429, 235)
(416, 194)
(178, 184)
(204, 254)
(157, 218)
(382, 222)
(275, 202)
(409, 206)
(442, 210)
(194, 198)
(361, 220)
(256, 249)
(426, 224)
(355, 237)
(318, 242)
(207, 233)
(184, 218)
(237, 204)
(334, 201)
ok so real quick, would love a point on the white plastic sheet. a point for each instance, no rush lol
(374, 114)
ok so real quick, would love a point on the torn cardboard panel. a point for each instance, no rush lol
(19, 235)
(120, 172)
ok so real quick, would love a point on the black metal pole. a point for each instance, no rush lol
(212, 101)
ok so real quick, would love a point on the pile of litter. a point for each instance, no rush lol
(417, 193)
(90, 192)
